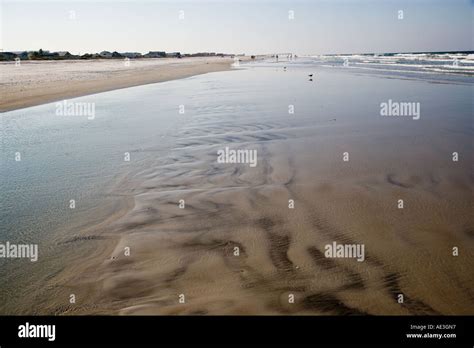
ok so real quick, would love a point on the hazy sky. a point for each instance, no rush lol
(239, 26)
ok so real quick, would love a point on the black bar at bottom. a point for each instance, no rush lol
(136, 330)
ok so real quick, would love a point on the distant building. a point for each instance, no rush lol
(39, 55)
(23, 55)
(131, 54)
(66, 55)
(48, 55)
(173, 55)
(105, 54)
(200, 54)
(8, 56)
(155, 54)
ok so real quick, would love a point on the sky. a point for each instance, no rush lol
(238, 26)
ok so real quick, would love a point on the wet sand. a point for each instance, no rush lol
(39, 82)
(190, 251)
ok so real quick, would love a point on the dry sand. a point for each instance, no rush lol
(38, 82)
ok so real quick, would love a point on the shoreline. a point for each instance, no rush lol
(42, 82)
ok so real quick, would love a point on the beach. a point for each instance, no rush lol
(38, 82)
(176, 231)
